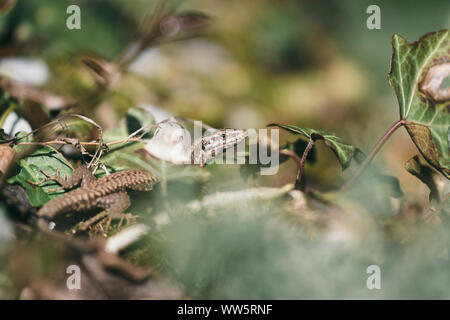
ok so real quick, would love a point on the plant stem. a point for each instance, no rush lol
(5, 114)
(300, 163)
(373, 153)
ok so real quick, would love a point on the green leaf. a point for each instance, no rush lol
(6, 230)
(30, 170)
(344, 152)
(70, 125)
(416, 74)
(136, 119)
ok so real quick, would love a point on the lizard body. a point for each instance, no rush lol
(108, 192)
(214, 144)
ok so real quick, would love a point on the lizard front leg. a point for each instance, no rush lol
(81, 174)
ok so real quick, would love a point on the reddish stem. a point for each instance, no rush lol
(373, 153)
(300, 163)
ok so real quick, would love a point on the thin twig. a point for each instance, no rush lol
(300, 163)
(373, 153)
(84, 143)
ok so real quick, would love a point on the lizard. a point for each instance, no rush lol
(206, 148)
(108, 192)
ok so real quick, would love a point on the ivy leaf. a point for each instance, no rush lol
(416, 74)
(344, 152)
(30, 170)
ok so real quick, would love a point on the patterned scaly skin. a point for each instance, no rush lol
(108, 192)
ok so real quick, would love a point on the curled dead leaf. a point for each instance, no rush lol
(23, 92)
(105, 74)
(422, 138)
(6, 5)
(417, 167)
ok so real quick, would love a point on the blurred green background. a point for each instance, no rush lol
(309, 63)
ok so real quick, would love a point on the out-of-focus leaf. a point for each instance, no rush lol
(17, 201)
(7, 105)
(344, 152)
(138, 118)
(163, 24)
(24, 92)
(70, 126)
(418, 168)
(448, 136)
(6, 230)
(3, 135)
(106, 27)
(6, 157)
(103, 72)
(390, 185)
(184, 25)
(29, 169)
(5, 5)
(135, 119)
(417, 71)
(233, 198)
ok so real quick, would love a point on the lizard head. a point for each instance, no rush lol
(143, 181)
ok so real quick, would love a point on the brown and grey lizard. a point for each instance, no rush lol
(108, 192)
